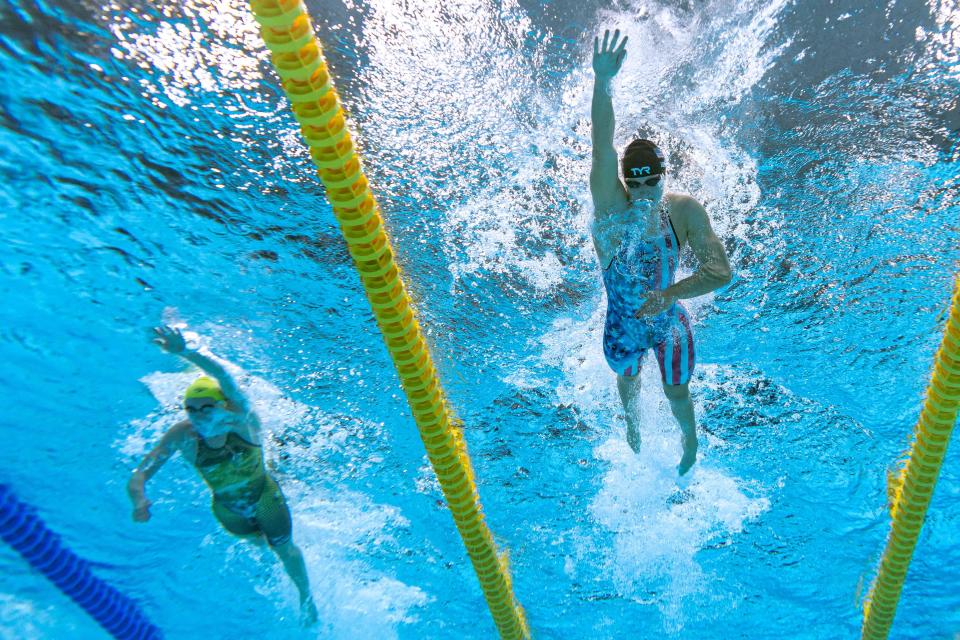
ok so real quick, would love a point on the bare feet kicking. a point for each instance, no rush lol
(689, 454)
(308, 612)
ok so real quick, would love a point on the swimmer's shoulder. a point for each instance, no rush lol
(183, 438)
(681, 207)
(246, 424)
(683, 203)
(180, 431)
(679, 203)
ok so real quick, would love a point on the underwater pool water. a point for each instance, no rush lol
(152, 173)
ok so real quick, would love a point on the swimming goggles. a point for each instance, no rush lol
(204, 409)
(652, 181)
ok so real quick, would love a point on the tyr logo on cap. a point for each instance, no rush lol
(642, 159)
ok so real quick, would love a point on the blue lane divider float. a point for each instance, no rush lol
(23, 530)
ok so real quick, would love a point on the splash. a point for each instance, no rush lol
(659, 522)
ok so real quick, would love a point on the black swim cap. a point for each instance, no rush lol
(643, 158)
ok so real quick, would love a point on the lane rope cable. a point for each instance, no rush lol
(23, 530)
(298, 59)
(911, 490)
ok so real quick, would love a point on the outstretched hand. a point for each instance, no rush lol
(608, 57)
(169, 339)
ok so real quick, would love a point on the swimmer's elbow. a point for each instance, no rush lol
(724, 276)
(719, 274)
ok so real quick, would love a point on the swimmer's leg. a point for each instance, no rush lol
(629, 388)
(273, 517)
(682, 407)
(234, 523)
(624, 353)
(677, 358)
(292, 559)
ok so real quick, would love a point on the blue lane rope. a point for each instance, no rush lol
(23, 530)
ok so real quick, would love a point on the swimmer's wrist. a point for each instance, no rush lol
(137, 494)
(192, 355)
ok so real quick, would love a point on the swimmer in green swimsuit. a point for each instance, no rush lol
(221, 438)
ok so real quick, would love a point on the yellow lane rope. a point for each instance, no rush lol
(912, 490)
(298, 59)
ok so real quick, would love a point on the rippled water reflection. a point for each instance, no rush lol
(152, 172)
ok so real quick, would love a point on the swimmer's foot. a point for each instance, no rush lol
(689, 455)
(308, 612)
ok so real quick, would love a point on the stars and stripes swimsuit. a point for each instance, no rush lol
(641, 265)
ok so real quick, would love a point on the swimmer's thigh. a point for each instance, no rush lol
(235, 523)
(273, 515)
(676, 351)
(622, 349)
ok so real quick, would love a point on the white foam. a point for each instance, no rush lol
(353, 599)
(659, 521)
(23, 619)
(214, 46)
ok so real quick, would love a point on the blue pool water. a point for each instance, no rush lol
(152, 173)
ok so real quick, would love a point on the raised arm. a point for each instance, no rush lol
(171, 340)
(605, 185)
(151, 463)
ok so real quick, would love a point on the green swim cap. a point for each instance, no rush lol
(204, 387)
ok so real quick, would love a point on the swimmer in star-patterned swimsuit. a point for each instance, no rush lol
(639, 266)
(638, 231)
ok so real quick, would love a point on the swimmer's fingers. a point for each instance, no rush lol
(160, 337)
(169, 338)
(613, 42)
(622, 49)
(606, 39)
(163, 332)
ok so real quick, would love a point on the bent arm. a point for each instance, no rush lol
(151, 463)
(714, 269)
(212, 366)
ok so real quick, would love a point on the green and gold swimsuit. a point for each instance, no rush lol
(245, 499)
(234, 472)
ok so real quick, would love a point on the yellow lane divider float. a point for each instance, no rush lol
(297, 57)
(912, 490)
